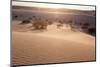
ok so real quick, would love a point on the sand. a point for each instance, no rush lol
(50, 46)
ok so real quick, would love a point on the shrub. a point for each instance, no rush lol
(91, 30)
(50, 22)
(15, 16)
(39, 25)
(26, 21)
(59, 25)
(85, 26)
(70, 22)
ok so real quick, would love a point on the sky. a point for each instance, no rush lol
(45, 5)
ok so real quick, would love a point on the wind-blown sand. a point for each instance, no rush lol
(51, 46)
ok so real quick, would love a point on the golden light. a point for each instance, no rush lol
(56, 6)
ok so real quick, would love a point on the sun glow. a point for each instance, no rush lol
(56, 6)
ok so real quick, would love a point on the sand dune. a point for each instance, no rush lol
(51, 46)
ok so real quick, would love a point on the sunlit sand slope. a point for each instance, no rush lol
(52, 46)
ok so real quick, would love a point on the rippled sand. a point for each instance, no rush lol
(51, 46)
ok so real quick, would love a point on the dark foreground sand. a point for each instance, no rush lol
(51, 47)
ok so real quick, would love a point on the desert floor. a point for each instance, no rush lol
(50, 46)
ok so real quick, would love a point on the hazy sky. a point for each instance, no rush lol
(45, 5)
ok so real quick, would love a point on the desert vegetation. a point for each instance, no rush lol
(72, 25)
(50, 22)
(25, 22)
(84, 27)
(92, 31)
(59, 25)
(39, 24)
(15, 16)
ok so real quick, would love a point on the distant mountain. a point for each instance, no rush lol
(63, 10)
